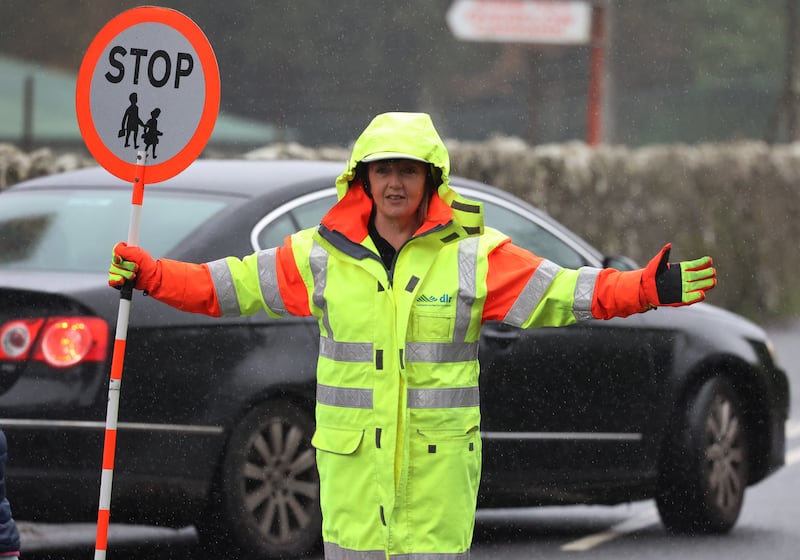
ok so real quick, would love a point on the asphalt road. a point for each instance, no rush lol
(768, 526)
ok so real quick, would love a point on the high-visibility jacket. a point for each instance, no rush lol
(397, 415)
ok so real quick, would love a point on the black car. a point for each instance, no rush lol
(686, 406)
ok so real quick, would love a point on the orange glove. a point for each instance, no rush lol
(676, 284)
(133, 263)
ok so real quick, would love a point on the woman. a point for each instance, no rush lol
(397, 416)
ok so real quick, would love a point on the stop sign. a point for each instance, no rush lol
(149, 82)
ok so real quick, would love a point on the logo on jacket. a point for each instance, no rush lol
(443, 299)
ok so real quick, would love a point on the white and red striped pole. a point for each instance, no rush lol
(115, 381)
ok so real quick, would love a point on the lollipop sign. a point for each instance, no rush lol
(149, 82)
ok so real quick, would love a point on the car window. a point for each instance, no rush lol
(531, 236)
(75, 230)
(299, 217)
(523, 232)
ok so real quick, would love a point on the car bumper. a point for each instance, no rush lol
(54, 470)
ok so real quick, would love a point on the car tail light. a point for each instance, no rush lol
(58, 341)
(16, 338)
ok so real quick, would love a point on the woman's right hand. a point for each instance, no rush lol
(131, 263)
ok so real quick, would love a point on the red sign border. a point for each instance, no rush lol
(180, 161)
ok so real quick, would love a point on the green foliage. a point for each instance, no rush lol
(737, 42)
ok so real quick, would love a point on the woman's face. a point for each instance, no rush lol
(398, 187)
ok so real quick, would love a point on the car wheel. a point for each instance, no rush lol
(267, 499)
(704, 475)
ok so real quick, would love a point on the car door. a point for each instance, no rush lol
(562, 408)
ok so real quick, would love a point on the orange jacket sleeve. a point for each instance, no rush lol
(615, 294)
(290, 282)
(187, 287)
(510, 268)
(190, 287)
(618, 294)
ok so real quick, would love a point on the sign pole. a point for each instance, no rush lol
(115, 380)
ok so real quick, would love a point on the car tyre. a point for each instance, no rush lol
(704, 476)
(266, 503)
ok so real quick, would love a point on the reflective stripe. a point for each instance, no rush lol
(431, 556)
(335, 552)
(456, 397)
(584, 292)
(318, 262)
(344, 396)
(223, 285)
(472, 208)
(441, 352)
(467, 270)
(530, 297)
(268, 278)
(345, 351)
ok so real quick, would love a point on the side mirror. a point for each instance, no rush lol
(620, 263)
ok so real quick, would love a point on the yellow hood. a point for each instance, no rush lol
(401, 134)
(410, 135)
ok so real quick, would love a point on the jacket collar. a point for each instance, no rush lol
(350, 216)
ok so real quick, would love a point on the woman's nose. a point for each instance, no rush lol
(395, 178)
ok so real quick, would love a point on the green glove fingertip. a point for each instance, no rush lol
(115, 280)
(698, 264)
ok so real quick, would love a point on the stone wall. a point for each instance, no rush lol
(16, 165)
(738, 202)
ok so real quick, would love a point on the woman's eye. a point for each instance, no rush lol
(387, 168)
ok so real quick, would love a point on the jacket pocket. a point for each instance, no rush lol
(347, 489)
(444, 475)
(432, 328)
(337, 440)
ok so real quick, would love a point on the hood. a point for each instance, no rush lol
(412, 134)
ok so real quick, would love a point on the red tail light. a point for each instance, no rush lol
(59, 341)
